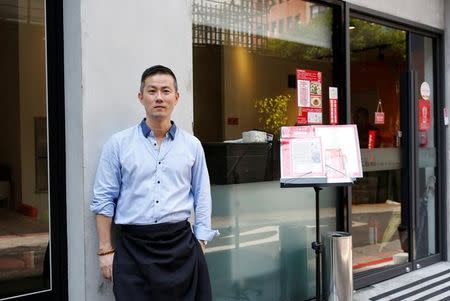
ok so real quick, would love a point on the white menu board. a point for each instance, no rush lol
(345, 138)
(320, 154)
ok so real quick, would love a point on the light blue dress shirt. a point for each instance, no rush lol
(141, 183)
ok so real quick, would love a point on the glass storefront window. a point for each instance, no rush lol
(245, 56)
(24, 203)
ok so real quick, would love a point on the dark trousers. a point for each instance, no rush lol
(160, 262)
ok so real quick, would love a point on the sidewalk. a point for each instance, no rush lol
(430, 283)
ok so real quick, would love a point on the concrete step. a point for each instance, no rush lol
(430, 283)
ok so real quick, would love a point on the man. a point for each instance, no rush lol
(149, 178)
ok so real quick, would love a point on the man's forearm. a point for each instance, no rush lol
(104, 233)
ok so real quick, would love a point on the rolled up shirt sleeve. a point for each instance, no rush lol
(107, 180)
(202, 198)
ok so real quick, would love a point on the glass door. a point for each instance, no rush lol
(394, 218)
(425, 230)
(379, 228)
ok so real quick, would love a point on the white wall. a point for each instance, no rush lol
(428, 12)
(106, 51)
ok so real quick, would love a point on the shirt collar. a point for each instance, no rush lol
(146, 130)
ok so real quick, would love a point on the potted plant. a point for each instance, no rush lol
(272, 116)
(273, 113)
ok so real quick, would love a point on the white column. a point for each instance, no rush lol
(74, 150)
(107, 46)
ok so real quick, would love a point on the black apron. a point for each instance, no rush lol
(159, 262)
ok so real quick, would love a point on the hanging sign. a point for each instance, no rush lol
(379, 114)
(309, 96)
(333, 96)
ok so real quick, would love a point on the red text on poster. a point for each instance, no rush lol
(333, 96)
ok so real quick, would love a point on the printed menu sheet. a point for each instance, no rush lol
(320, 154)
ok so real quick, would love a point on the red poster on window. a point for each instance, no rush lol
(424, 115)
(309, 96)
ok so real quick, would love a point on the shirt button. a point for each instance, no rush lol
(159, 162)
(154, 144)
(158, 182)
(156, 221)
(157, 202)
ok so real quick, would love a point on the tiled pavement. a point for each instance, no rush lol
(430, 283)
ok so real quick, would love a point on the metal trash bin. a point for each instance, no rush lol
(337, 276)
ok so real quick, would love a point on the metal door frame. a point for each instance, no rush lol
(408, 142)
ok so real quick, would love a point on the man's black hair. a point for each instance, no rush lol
(158, 69)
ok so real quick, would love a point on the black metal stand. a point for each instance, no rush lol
(318, 247)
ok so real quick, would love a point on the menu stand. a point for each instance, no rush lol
(317, 245)
(330, 155)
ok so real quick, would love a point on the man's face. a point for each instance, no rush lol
(159, 97)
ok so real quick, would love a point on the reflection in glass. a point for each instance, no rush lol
(246, 54)
(379, 214)
(24, 210)
(425, 234)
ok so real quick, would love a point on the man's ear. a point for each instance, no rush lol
(140, 96)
